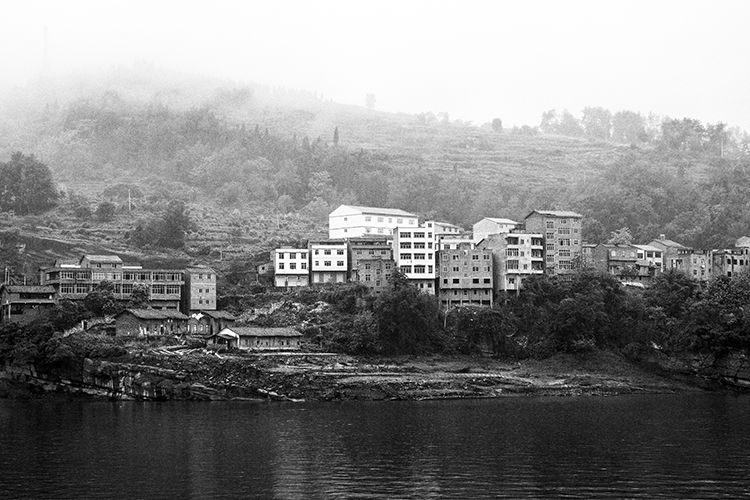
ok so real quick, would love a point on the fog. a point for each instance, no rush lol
(475, 60)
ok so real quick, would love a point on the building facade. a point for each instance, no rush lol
(372, 263)
(330, 262)
(349, 221)
(492, 225)
(562, 238)
(199, 292)
(75, 281)
(24, 303)
(413, 249)
(292, 267)
(515, 256)
(465, 275)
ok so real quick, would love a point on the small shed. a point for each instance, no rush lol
(142, 322)
(257, 338)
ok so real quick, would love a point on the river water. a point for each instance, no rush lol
(694, 445)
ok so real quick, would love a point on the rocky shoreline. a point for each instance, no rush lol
(196, 374)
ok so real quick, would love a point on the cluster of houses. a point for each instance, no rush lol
(180, 301)
(365, 244)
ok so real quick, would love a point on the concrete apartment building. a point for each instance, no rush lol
(413, 249)
(329, 261)
(465, 275)
(372, 263)
(492, 225)
(562, 238)
(349, 221)
(515, 256)
(73, 280)
(200, 289)
(292, 267)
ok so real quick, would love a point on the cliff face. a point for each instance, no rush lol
(122, 381)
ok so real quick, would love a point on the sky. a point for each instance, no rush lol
(476, 60)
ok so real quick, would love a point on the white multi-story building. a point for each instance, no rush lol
(292, 267)
(330, 262)
(349, 221)
(492, 225)
(414, 253)
(651, 255)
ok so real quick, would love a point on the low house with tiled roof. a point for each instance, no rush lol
(206, 323)
(25, 303)
(146, 322)
(257, 338)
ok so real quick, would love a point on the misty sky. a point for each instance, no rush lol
(474, 59)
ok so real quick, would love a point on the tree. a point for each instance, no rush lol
(628, 127)
(597, 123)
(105, 212)
(497, 125)
(550, 122)
(101, 301)
(336, 136)
(26, 185)
(140, 297)
(175, 223)
(569, 125)
(620, 237)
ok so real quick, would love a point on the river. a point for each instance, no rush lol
(694, 445)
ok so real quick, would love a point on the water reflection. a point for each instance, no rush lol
(673, 446)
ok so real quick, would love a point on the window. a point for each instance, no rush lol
(445, 281)
(367, 266)
(326, 263)
(563, 221)
(511, 281)
(486, 256)
(550, 236)
(303, 255)
(456, 269)
(550, 247)
(564, 253)
(456, 280)
(419, 269)
(368, 218)
(340, 251)
(564, 264)
(292, 255)
(303, 265)
(486, 280)
(316, 251)
(563, 230)
(405, 245)
(327, 251)
(550, 224)
(292, 265)
(475, 281)
(406, 269)
(456, 257)
(340, 263)
(418, 245)
(406, 256)
(511, 252)
(512, 264)
(419, 256)
(387, 266)
(429, 269)
(419, 235)
(367, 277)
(564, 242)
(317, 263)
(380, 219)
(475, 269)
(475, 257)
(399, 221)
(404, 235)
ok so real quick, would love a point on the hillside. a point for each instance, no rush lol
(258, 167)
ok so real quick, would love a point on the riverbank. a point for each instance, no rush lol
(198, 374)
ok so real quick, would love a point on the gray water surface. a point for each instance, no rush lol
(657, 446)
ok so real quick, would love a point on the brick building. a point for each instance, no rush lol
(25, 303)
(372, 263)
(465, 275)
(562, 238)
(515, 256)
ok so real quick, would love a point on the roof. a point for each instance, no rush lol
(101, 258)
(199, 269)
(668, 243)
(372, 210)
(498, 220)
(252, 331)
(153, 314)
(648, 248)
(555, 213)
(28, 288)
(220, 315)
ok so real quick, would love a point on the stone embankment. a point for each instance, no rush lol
(197, 374)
